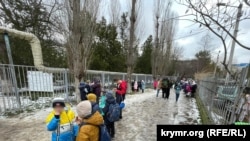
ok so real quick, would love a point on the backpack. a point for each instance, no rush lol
(103, 132)
(178, 87)
(165, 83)
(114, 112)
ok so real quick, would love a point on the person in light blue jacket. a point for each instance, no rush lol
(177, 88)
(60, 122)
(142, 86)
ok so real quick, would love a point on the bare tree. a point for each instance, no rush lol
(165, 29)
(115, 11)
(206, 43)
(133, 39)
(79, 28)
(177, 53)
(219, 20)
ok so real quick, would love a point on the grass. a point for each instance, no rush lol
(203, 112)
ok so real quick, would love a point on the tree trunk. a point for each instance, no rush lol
(129, 75)
(130, 56)
(77, 91)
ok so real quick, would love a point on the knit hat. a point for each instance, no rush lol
(58, 101)
(84, 109)
(91, 97)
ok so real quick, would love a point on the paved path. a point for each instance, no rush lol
(140, 118)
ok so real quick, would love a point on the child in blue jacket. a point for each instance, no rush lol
(177, 90)
(60, 122)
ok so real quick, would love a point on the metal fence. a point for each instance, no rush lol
(224, 103)
(26, 88)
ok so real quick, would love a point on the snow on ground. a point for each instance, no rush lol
(140, 117)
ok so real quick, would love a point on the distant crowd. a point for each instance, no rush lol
(188, 86)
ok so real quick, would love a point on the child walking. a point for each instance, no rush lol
(177, 90)
(111, 113)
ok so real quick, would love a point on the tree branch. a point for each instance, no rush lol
(217, 23)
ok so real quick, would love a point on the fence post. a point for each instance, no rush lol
(239, 93)
(7, 43)
(123, 77)
(66, 84)
(103, 79)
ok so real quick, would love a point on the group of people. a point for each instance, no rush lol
(188, 86)
(136, 86)
(87, 87)
(92, 120)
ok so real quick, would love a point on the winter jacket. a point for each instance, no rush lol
(193, 87)
(90, 131)
(110, 99)
(143, 85)
(96, 88)
(188, 88)
(122, 88)
(159, 85)
(136, 85)
(68, 131)
(155, 84)
(84, 90)
(177, 88)
(95, 107)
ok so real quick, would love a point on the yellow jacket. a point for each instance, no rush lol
(68, 131)
(90, 132)
(65, 117)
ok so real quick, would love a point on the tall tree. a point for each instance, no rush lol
(108, 52)
(115, 12)
(176, 55)
(38, 18)
(144, 61)
(165, 30)
(132, 45)
(78, 25)
(123, 28)
(203, 60)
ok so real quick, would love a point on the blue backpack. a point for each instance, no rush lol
(103, 132)
(114, 112)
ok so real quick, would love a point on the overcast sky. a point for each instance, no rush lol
(190, 41)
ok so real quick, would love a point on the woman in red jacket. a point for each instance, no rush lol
(120, 92)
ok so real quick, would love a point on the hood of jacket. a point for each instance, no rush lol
(95, 119)
(110, 98)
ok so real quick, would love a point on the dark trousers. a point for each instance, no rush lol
(111, 128)
(165, 92)
(177, 96)
(119, 99)
(142, 90)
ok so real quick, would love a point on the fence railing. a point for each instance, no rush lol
(27, 88)
(224, 104)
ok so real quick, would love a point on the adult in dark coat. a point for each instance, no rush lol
(96, 88)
